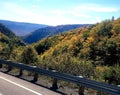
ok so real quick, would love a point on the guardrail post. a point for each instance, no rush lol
(21, 72)
(9, 68)
(81, 90)
(54, 85)
(0, 65)
(35, 77)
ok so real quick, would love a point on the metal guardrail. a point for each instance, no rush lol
(111, 89)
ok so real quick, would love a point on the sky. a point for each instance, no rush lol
(59, 12)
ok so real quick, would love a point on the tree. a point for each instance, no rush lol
(29, 56)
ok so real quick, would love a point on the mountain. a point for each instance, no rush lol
(49, 31)
(9, 36)
(21, 28)
(8, 41)
(92, 52)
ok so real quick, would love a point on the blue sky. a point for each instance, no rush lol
(57, 12)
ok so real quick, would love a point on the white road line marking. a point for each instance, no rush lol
(1, 94)
(20, 86)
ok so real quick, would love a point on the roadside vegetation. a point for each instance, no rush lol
(92, 52)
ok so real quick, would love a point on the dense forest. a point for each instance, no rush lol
(92, 52)
(8, 41)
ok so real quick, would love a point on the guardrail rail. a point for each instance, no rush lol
(83, 82)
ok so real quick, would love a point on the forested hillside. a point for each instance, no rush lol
(49, 31)
(93, 52)
(8, 41)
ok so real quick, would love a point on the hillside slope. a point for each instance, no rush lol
(8, 41)
(98, 43)
(90, 51)
(21, 28)
(49, 31)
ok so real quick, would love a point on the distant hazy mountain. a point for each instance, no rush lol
(21, 28)
(8, 37)
(49, 31)
(8, 42)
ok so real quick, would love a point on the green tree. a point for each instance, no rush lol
(29, 56)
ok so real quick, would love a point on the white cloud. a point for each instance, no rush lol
(95, 8)
(19, 13)
(34, 14)
(82, 15)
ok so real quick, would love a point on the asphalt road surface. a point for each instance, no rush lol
(10, 85)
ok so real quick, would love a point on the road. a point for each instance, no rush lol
(10, 85)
